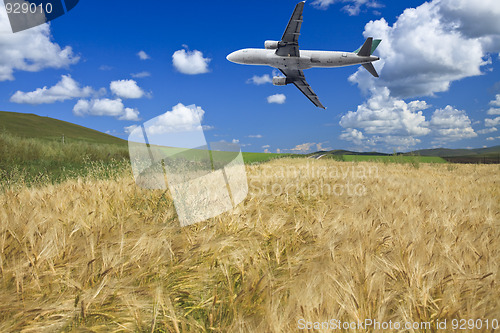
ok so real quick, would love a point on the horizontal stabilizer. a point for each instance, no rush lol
(369, 67)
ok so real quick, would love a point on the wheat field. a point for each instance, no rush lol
(314, 241)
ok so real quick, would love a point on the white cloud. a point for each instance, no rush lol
(105, 68)
(277, 99)
(386, 115)
(190, 62)
(422, 53)
(492, 138)
(495, 111)
(304, 148)
(492, 122)
(353, 135)
(141, 75)
(319, 147)
(130, 115)
(105, 107)
(180, 119)
(143, 55)
(259, 80)
(450, 124)
(475, 19)
(126, 89)
(256, 136)
(30, 50)
(266, 146)
(67, 88)
(130, 129)
(496, 102)
(353, 7)
(385, 119)
(487, 130)
(430, 46)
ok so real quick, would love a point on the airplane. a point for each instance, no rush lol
(286, 56)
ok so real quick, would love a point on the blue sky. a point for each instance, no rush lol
(438, 87)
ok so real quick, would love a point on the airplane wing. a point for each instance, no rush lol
(289, 45)
(299, 80)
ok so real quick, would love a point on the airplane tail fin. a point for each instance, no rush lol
(368, 47)
(366, 50)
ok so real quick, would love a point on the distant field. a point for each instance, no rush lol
(393, 159)
(263, 157)
(25, 161)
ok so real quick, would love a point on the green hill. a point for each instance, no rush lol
(444, 152)
(438, 155)
(27, 125)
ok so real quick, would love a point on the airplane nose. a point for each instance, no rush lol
(231, 57)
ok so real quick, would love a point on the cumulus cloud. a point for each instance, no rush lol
(431, 46)
(487, 130)
(353, 135)
(475, 19)
(492, 138)
(320, 147)
(126, 89)
(277, 99)
(143, 55)
(304, 148)
(450, 124)
(422, 53)
(488, 122)
(180, 119)
(190, 62)
(259, 80)
(105, 107)
(67, 88)
(353, 7)
(130, 129)
(383, 114)
(495, 110)
(266, 146)
(386, 119)
(141, 75)
(30, 50)
(496, 101)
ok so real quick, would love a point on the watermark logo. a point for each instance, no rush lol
(170, 151)
(24, 14)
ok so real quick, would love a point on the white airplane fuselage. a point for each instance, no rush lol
(307, 59)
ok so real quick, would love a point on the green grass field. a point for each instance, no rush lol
(25, 161)
(32, 151)
(250, 158)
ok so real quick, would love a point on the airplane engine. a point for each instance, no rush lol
(279, 81)
(271, 44)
